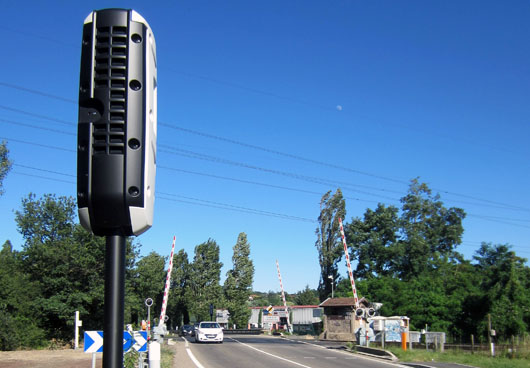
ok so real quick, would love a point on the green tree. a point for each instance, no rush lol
(372, 241)
(306, 297)
(420, 238)
(329, 243)
(148, 282)
(178, 305)
(65, 262)
(5, 164)
(238, 283)
(273, 298)
(17, 304)
(430, 232)
(506, 289)
(204, 280)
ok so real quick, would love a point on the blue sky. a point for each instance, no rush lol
(262, 101)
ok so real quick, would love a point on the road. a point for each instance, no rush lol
(244, 351)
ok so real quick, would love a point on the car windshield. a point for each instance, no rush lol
(209, 325)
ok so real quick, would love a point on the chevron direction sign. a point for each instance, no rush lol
(136, 340)
(93, 341)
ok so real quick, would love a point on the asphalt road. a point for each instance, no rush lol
(244, 351)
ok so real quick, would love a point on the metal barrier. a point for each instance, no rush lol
(244, 331)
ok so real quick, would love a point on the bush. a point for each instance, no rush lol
(18, 332)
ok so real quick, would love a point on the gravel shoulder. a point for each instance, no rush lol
(48, 359)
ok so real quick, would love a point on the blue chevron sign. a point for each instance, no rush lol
(136, 340)
(93, 342)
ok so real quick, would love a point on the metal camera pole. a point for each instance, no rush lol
(148, 304)
(114, 301)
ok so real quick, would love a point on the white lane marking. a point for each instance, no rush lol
(272, 355)
(192, 357)
(357, 357)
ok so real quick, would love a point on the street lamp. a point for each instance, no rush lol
(331, 277)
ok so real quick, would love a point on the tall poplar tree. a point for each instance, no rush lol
(329, 243)
(205, 277)
(238, 283)
(179, 303)
(5, 164)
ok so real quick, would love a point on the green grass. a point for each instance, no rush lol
(476, 360)
(167, 355)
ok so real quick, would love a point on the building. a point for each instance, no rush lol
(340, 319)
(304, 319)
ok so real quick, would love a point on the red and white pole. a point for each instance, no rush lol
(352, 281)
(283, 296)
(166, 289)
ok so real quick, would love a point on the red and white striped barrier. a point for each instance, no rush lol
(352, 281)
(283, 296)
(166, 288)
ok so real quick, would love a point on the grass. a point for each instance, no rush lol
(167, 354)
(476, 360)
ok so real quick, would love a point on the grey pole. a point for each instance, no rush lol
(114, 301)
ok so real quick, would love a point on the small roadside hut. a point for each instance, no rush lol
(340, 321)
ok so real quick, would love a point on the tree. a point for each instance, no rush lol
(329, 243)
(17, 306)
(65, 262)
(238, 283)
(204, 280)
(429, 232)
(148, 282)
(506, 289)
(307, 297)
(418, 239)
(5, 164)
(178, 305)
(372, 241)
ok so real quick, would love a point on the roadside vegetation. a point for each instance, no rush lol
(407, 259)
(480, 360)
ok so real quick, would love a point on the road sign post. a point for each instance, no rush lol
(95, 343)
(78, 323)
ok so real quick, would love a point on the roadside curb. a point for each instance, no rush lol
(377, 353)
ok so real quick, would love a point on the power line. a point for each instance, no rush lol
(44, 177)
(196, 155)
(279, 153)
(36, 92)
(496, 219)
(256, 90)
(38, 144)
(301, 177)
(254, 182)
(243, 144)
(189, 200)
(36, 127)
(239, 208)
(24, 112)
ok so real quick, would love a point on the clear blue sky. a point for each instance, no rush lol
(251, 91)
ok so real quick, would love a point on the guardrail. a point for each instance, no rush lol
(245, 331)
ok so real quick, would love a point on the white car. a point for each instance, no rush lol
(209, 331)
